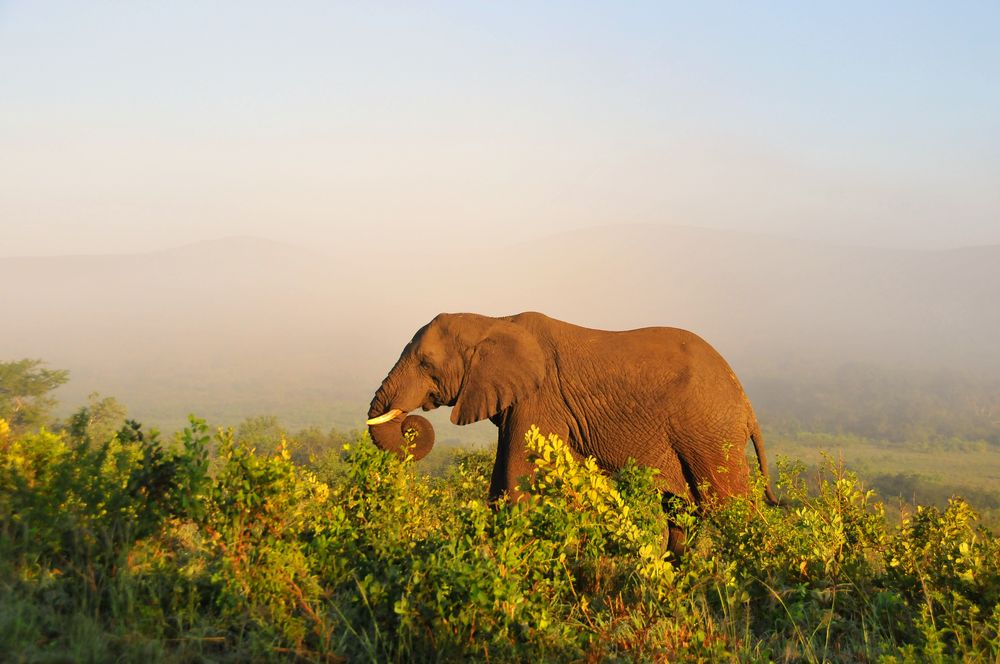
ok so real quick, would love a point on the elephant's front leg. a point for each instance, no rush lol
(512, 463)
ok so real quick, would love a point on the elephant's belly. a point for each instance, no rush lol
(652, 450)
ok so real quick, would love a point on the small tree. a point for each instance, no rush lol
(262, 432)
(24, 392)
(99, 420)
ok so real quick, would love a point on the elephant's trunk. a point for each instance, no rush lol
(396, 436)
(390, 427)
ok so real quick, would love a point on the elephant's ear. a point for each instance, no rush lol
(507, 365)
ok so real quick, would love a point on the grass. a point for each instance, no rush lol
(905, 475)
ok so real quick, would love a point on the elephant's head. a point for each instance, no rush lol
(479, 365)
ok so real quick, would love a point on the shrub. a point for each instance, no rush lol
(128, 550)
(73, 512)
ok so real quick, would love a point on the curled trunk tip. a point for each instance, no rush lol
(398, 436)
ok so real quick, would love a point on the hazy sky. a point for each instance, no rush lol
(131, 126)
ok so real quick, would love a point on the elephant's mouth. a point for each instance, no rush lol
(433, 401)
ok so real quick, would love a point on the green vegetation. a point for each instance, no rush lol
(24, 392)
(131, 548)
(907, 474)
(258, 543)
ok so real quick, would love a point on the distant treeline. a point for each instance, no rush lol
(895, 405)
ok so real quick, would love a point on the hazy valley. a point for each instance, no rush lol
(242, 325)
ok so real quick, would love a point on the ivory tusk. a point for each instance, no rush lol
(392, 414)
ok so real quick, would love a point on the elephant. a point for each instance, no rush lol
(659, 395)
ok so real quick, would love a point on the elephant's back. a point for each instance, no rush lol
(653, 341)
(649, 365)
(666, 347)
(648, 358)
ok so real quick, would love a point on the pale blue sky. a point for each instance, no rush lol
(131, 126)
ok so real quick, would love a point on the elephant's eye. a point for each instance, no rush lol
(425, 363)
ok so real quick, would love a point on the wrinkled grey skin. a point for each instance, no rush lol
(659, 395)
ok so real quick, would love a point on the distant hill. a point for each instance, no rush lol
(240, 326)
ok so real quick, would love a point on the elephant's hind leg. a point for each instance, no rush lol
(675, 535)
(672, 477)
(673, 481)
(718, 472)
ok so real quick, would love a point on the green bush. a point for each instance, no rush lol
(129, 549)
(75, 518)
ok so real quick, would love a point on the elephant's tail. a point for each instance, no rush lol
(758, 446)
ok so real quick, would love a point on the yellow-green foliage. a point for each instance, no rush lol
(258, 513)
(130, 550)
